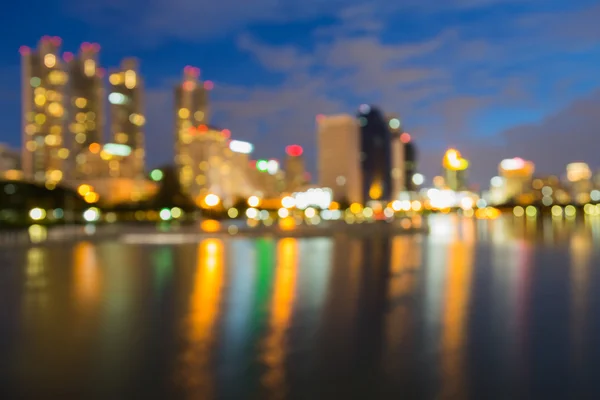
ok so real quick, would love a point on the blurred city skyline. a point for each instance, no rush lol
(493, 79)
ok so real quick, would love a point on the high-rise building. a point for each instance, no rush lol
(515, 179)
(295, 171)
(455, 170)
(410, 161)
(579, 176)
(10, 161)
(127, 118)
(191, 111)
(44, 80)
(397, 149)
(86, 109)
(375, 154)
(338, 144)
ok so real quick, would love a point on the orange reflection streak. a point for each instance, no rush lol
(581, 249)
(87, 274)
(196, 372)
(460, 265)
(281, 311)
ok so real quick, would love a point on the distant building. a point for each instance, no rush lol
(338, 146)
(516, 177)
(579, 176)
(10, 162)
(86, 107)
(455, 170)
(190, 113)
(43, 95)
(397, 148)
(375, 154)
(126, 98)
(410, 161)
(295, 171)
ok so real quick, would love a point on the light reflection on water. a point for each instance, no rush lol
(475, 309)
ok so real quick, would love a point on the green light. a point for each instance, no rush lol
(262, 165)
(156, 175)
(35, 81)
(394, 123)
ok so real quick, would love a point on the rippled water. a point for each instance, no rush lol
(474, 309)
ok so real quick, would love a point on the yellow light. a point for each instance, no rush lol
(233, 212)
(253, 201)
(49, 60)
(210, 225)
(376, 190)
(63, 154)
(91, 197)
(37, 214)
(557, 211)
(56, 175)
(130, 79)
(115, 79)
(89, 67)
(416, 205)
(518, 211)
(531, 211)
(80, 102)
(287, 224)
(199, 115)
(31, 146)
(55, 130)
(355, 208)
(55, 109)
(454, 161)
(30, 129)
(94, 148)
(50, 140)
(184, 113)
(211, 200)
(570, 211)
(105, 156)
(334, 205)
(40, 119)
(84, 189)
(80, 138)
(40, 100)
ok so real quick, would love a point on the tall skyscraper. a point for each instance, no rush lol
(43, 95)
(191, 112)
(86, 109)
(397, 149)
(127, 118)
(410, 161)
(295, 171)
(338, 140)
(375, 154)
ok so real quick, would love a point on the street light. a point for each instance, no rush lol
(211, 200)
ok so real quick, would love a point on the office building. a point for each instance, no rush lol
(43, 85)
(375, 154)
(86, 109)
(410, 161)
(455, 170)
(295, 171)
(515, 179)
(191, 112)
(127, 118)
(338, 145)
(10, 163)
(397, 148)
(579, 177)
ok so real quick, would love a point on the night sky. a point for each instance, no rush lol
(494, 78)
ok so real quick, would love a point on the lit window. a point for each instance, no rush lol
(117, 98)
(31, 146)
(200, 180)
(80, 102)
(89, 67)
(90, 125)
(80, 117)
(80, 138)
(115, 79)
(91, 115)
(35, 81)
(49, 60)
(40, 100)
(184, 113)
(50, 140)
(63, 153)
(121, 138)
(55, 109)
(40, 119)
(30, 129)
(199, 115)
(130, 79)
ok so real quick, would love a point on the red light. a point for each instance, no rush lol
(208, 85)
(196, 72)
(189, 86)
(192, 130)
(252, 164)
(95, 47)
(226, 133)
(45, 38)
(68, 56)
(320, 118)
(202, 128)
(24, 50)
(307, 176)
(100, 72)
(405, 138)
(294, 150)
(186, 69)
(56, 41)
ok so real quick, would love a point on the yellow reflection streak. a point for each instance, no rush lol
(281, 311)
(460, 264)
(87, 274)
(581, 249)
(196, 371)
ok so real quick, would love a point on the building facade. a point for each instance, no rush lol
(295, 170)
(338, 144)
(398, 174)
(127, 118)
(375, 155)
(43, 93)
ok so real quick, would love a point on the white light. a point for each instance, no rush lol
(467, 203)
(117, 98)
(272, 167)
(326, 215)
(176, 212)
(512, 164)
(310, 212)
(481, 203)
(497, 182)
(91, 214)
(595, 195)
(288, 202)
(396, 205)
(283, 213)
(364, 108)
(241, 147)
(418, 179)
(313, 197)
(253, 201)
(251, 213)
(165, 214)
(116, 149)
(388, 212)
(211, 200)
(336, 214)
(37, 214)
(340, 180)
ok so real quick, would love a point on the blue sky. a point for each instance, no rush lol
(495, 78)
